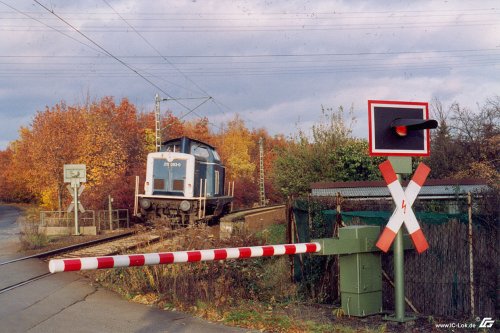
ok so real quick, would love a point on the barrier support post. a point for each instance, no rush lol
(401, 165)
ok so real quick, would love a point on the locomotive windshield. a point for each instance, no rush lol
(169, 177)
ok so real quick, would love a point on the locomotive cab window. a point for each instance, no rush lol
(200, 151)
(173, 148)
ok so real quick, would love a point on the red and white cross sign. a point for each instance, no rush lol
(403, 212)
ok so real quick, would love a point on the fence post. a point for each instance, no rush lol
(471, 255)
(110, 212)
(136, 197)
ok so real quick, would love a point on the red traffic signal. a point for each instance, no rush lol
(398, 128)
(401, 126)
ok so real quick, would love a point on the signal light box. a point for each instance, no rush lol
(399, 128)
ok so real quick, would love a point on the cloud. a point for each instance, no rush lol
(273, 62)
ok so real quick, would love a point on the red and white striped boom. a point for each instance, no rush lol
(80, 264)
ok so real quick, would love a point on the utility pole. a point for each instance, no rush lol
(262, 191)
(157, 123)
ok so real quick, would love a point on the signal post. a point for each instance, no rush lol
(400, 130)
(75, 174)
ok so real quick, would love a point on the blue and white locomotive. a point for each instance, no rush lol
(185, 182)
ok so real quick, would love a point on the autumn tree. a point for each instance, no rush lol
(112, 148)
(199, 130)
(331, 155)
(42, 150)
(467, 142)
(108, 138)
(235, 145)
(171, 127)
(12, 186)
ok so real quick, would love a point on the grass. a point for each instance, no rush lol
(274, 234)
(31, 238)
(257, 316)
(254, 293)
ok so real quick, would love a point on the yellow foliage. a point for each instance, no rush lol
(236, 147)
(49, 198)
(108, 138)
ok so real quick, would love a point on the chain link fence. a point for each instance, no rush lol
(63, 222)
(437, 282)
(65, 219)
(118, 219)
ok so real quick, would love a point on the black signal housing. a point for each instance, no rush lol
(399, 128)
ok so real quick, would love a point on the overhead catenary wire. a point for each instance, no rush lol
(248, 29)
(204, 16)
(113, 56)
(426, 12)
(50, 27)
(241, 20)
(164, 58)
(291, 16)
(252, 71)
(155, 49)
(271, 55)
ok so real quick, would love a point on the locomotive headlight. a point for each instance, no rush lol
(145, 203)
(185, 205)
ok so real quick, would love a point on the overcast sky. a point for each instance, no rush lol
(273, 62)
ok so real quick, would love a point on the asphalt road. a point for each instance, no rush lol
(9, 233)
(68, 302)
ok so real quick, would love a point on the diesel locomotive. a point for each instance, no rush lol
(185, 183)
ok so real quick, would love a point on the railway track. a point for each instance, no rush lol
(101, 247)
(240, 214)
(108, 246)
(68, 248)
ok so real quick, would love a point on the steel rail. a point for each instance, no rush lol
(57, 251)
(22, 283)
(68, 248)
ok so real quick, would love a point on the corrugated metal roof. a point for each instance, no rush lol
(381, 183)
(429, 192)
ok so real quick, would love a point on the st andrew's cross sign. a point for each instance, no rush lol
(403, 212)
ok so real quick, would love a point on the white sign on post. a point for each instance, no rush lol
(75, 174)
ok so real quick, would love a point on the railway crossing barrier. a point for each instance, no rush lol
(78, 264)
(360, 263)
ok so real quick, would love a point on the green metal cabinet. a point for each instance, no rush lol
(361, 283)
(360, 269)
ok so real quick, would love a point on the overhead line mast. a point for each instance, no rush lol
(262, 190)
(158, 128)
(157, 123)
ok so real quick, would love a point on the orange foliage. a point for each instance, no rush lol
(113, 141)
(108, 138)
